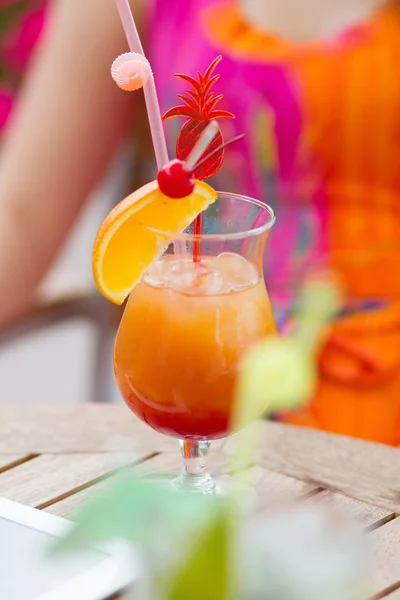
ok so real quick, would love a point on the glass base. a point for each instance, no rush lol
(243, 496)
(203, 484)
(194, 478)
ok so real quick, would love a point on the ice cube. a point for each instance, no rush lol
(207, 282)
(181, 274)
(239, 273)
(155, 274)
(159, 272)
(188, 277)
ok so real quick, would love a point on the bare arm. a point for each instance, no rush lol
(70, 118)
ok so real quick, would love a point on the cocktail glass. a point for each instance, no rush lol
(188, 323)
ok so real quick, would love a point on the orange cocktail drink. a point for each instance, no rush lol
(184, 329)
(188, 323)
(195, 308)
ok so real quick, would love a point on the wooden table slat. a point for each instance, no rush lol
(273, 488)
(363, 470)
(368, 515)
(51, 476)
(9, 461)
(92, 428)
(69, 506)
(163, 464)
(386, 556)
(270, 486)
(394, 595)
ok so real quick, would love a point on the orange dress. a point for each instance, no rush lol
(349, 92)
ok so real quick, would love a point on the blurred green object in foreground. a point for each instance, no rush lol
(320, 302)
(197, 547)
(205, 573)
(185, 537)
(141, 510)
(277, 373)
(281, 372)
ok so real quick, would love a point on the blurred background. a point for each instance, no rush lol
(316, 91)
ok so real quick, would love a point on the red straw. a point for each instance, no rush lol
(200, 147)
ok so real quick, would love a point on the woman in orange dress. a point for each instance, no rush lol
(322, 138)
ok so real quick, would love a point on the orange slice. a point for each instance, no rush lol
(129, 239)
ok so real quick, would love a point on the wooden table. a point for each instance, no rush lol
(53, 457)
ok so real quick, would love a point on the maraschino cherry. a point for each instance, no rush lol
(176, 180)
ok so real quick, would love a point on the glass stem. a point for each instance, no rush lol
(194, 476)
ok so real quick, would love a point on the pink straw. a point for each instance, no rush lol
(149, 88)
(150, 96)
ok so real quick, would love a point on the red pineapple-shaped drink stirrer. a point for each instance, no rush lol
(200, 108)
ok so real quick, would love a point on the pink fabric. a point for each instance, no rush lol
(25, 23)
(6, 103)
(22, 38)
